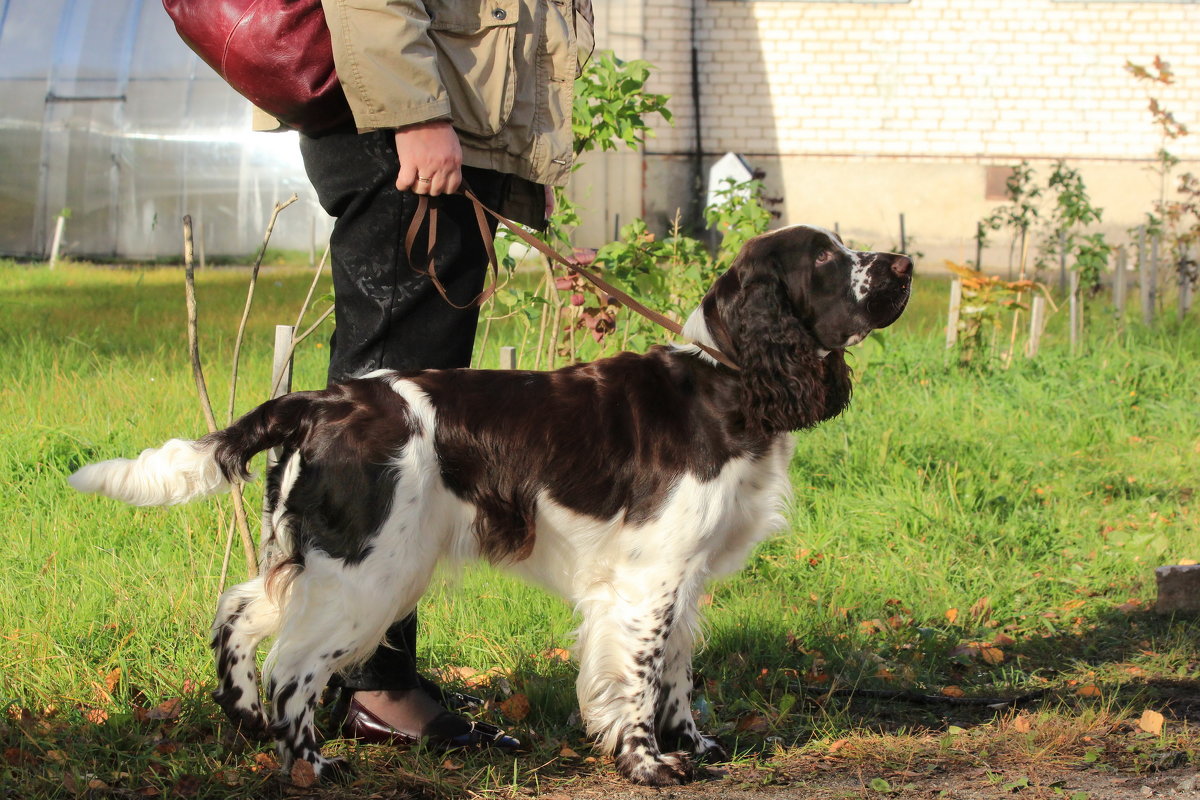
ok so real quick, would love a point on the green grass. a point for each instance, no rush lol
(948, 509)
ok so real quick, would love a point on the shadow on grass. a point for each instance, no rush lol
(756, 689)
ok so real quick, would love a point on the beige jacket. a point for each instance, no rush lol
(502, 72)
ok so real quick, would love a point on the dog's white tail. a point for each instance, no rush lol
(177, 472)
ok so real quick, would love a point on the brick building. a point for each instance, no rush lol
(859, 110)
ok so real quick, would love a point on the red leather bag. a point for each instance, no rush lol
(275, 53)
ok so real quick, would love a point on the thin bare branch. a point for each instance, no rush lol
(189, 283)
(237, 344)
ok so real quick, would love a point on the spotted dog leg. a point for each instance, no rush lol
(336, 616)
(244, 616)
(622, 645)
(674, 724)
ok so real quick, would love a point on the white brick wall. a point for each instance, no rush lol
(950, 79)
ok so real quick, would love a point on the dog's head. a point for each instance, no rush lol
(793, 300)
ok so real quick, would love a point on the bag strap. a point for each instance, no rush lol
(426, 209)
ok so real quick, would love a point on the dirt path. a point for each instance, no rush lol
(741, 783)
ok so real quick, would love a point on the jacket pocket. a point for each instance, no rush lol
(475, 53)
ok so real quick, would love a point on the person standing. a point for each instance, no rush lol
(442, 92)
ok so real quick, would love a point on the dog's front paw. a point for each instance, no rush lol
(656, 769)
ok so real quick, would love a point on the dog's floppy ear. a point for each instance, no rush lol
(787, 382)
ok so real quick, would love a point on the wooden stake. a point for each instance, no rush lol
(1185, 283)
(281, 375)
(1037, 324)
(508, 357)
(955, 306)
(1119, 281)
(1075, 313)
(56, 244)
(1147, 275)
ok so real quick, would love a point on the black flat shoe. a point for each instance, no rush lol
(361, 724)
(455, 701)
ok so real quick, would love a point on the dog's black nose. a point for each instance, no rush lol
(902, 266)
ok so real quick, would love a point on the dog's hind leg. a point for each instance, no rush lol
(336, 615)
(627, 624)
(245, 614)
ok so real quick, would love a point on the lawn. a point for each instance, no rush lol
(965, 587)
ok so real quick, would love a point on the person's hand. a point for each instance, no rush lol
(430, 158)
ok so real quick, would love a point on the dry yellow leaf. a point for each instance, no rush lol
(1090, 690)
(1151, 721)
(951, 615)
(1023, 723)
(952, 691)
(516, 707)
(991, 655)
(303, 774)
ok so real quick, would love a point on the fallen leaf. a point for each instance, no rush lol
(951, 615)
(982, 608)
(838, 745)
(265, 761)
(303, 774)
(952, 691)
(16, 756)
(1187, 562)
(516, 707)
(112, 679)
(1089, 690)
(57, 756)
(967, 650)
(753, 723)
(1151, 722)
(452, 765)
(97, 785)
(567, 752)
(870, 626)
(991, 655)
(1023, 723)
(96, 716)
(557, 654)
(168, 709)
(1003, 640)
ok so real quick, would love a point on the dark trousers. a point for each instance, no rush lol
(389, 315)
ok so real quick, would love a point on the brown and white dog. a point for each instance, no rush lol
(622, 485)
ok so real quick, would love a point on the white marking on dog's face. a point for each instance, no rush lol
(860, 277)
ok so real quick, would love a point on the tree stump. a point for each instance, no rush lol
(1178, 589)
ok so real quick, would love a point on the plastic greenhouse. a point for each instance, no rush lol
(106, 117)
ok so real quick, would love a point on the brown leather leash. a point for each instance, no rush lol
(426, 210)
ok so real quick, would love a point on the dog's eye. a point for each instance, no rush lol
(824, 257)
